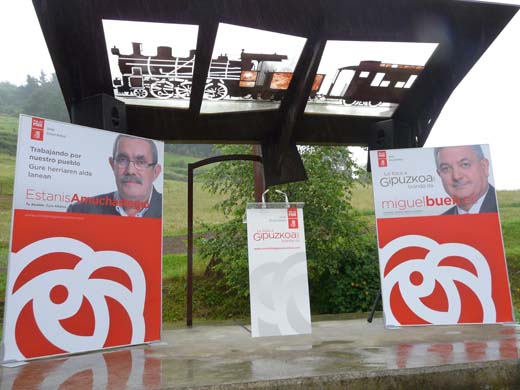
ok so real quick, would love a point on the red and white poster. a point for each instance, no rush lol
(441, 253)
(84, 269)
(278, 284)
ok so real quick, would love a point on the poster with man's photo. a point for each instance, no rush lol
(84, 267)
(441, 253)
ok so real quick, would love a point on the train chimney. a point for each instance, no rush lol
(164, 52)
(136, 46)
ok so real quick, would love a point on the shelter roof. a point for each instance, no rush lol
(298, 112)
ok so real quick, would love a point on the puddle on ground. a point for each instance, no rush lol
(331, 342)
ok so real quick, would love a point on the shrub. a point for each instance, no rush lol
(341, 249)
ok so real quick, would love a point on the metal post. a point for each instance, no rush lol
(191, 168)
(258, 174)
(376, 301)
(189, 303)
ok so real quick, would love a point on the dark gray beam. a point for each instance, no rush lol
(282, 162)
(205, 43)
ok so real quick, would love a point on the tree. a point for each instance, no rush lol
(195, 150)
(341, 250)
(43, 78)
(47, 100)
(38, 96)
(10, 100)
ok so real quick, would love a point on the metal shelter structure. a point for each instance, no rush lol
(463, 30)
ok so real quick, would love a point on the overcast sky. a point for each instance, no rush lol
(483, 109)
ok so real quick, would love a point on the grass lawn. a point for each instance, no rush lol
(509, 203)
(176, 207)
(8, 134)
(509, 208)
(210, 301)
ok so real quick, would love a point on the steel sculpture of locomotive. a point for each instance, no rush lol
(164, 76)
(373, 82)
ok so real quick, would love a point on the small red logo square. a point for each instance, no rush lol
(382, 162)
(37, 129)
(292, 215)
(381, 154)
(293, 224)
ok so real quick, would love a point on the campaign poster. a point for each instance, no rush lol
(278, 283)
(85, 260)
(441, 254)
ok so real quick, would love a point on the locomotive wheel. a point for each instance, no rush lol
(215, 91)
(374, 103)
(162, 89)
(183, 90)
(347, 101)
(140, 93)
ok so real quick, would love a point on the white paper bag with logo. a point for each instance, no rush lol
(278, 284)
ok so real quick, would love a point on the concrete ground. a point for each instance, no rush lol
(339, 354)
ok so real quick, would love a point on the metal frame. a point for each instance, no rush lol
(191, 168)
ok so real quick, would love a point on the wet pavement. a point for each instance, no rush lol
(338, 354)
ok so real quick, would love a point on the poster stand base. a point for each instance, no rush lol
(13, 363)
(373, 311)
(159, 343)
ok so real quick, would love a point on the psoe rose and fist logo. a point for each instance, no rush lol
(37, 128)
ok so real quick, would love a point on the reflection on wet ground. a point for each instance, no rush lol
(209, 355)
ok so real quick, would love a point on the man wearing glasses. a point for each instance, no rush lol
(135, 167)
(464, 173)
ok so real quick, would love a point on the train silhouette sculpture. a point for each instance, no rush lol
(164, 76)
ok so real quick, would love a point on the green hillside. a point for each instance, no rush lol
(175, 222)
(175, 189)
(8, 134)
(174, 195)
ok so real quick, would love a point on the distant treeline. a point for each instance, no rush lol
(41, 96)
(38, 96)
(194, 150)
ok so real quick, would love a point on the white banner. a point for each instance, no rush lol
(84, 269)
(68, 160)
(441, 255)
(408, 183)
(279, 290)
